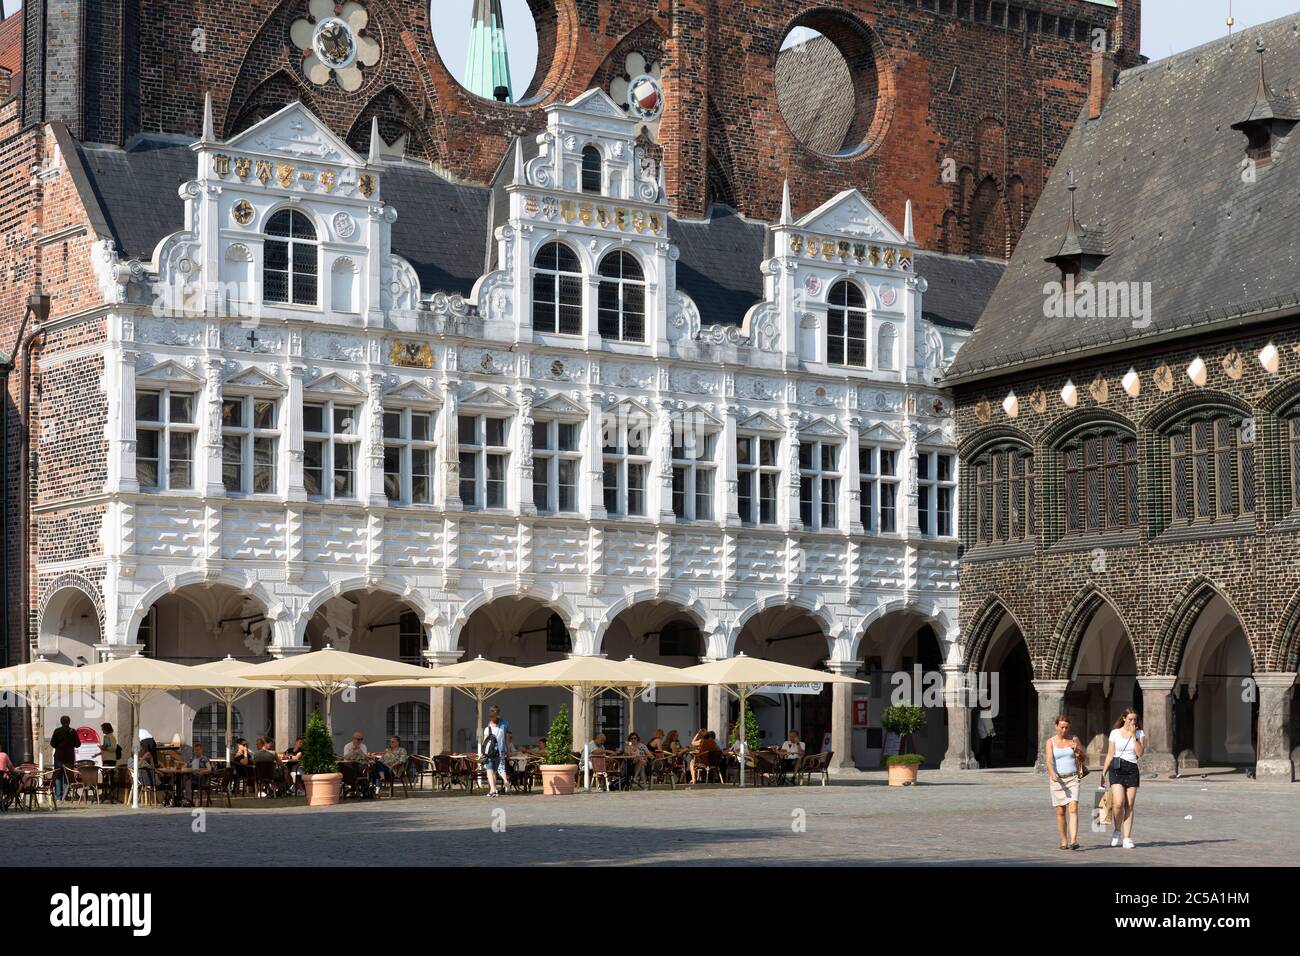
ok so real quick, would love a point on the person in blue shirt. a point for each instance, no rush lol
(495, 758)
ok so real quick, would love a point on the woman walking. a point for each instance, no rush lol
(1127, 742)
(1064, 756)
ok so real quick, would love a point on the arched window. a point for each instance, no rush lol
(1101, 482)
(210, 728)
(409, 723)
(846, 326)
(1211, 468)
(622, 298)
(290, 267)
(591, 170)
(557, 290)
(558, 640)
(680, 639)
(1005, 495)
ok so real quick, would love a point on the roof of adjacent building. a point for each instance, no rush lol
(443, 230)
(1160, 176)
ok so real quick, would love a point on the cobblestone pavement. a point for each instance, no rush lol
(989, 817)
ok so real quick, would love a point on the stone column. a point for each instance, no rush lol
(842, 719)
(286, 719)
(442, 711)
(1274, 759)
(717, 716)
(957, 684)
(1051, 702)
(1158, 723)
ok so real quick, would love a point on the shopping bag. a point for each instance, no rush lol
(1102, 819)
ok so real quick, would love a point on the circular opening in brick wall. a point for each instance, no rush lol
(482, 41)
(832, 84)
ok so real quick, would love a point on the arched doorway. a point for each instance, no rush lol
(791, 635)
(67, 634)
(524, 631)
(902, 658)
(660, 632)
(1103, 680)
(1008, 737)
(375, 623)
(1215, 709)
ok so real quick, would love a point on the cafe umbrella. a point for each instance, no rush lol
(590, 677)
(39, 682)
(329, 671)
(744, 676)
(136, 679)
(477, 679)
(229, 686)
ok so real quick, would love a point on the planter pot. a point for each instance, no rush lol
(322, 788)
(903, 774)
(558, 779)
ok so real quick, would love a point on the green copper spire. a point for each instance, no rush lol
(487, 65)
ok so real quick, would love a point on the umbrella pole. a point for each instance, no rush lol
(229, 702)
(740, 733)
(135, 758)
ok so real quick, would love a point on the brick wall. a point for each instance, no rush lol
(992, 86)
(1150, 577)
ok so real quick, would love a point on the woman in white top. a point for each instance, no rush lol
(793, 747)
(1127, 743)
(1063, 754)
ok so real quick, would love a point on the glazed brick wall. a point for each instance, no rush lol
(69, 417)
(1149, 580)
(1020, 69)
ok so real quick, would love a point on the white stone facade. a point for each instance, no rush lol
(196, 321)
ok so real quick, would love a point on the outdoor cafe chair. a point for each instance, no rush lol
(662, 768)
(217, 782)
(148, 790)
(814, 764)
(264, 778)
(421, 767)
(599, 771)
(10, 784)
(444, 771)
(400, 774)
(766, 766)
(709, 762)
(88, 783)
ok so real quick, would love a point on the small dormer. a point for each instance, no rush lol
(1082, 249)
(1270, 118)
(589, 148)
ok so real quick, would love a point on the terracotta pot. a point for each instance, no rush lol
(558, 778)
(902, 774)
(322, 788)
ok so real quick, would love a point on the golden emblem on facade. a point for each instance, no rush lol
(221, 164)
(263, 171)
(983, 411)
(1233, 366)
(242, 166)
(1038, 401)
(243, 212)
(284, 175)
(1099, 390)
(366, 183)
(411, 354)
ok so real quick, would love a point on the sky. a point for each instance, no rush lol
(1168, 26)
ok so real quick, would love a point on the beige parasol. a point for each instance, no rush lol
(478, 679)
(229, 686)
(743, 676)
(328, 671)
(39, 682)
(137, 678)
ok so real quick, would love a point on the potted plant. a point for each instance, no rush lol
(320, 771)
(753, 736)
(560, 771)
(906, 721)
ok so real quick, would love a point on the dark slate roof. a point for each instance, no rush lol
(958, 287)
(443, 230)
(1160, 173)
(719, 265)
(816, 95)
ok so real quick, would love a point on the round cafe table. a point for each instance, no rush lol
(178, 774)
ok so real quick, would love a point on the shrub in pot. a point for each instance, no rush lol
(320, 771)
(906, 721)
(560, 771)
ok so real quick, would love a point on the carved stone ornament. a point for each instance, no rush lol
(983, 411)
(1099, 390)
(1163, 376)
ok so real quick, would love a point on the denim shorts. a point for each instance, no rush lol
(1124, 774)
(492, 763)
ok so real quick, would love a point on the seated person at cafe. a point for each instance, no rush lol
(241, 759)
(6, 765)
(596, 744)
(656, 742)
(266, 754)
(148, 775)
(704, 741)
(391, 760)
(198, 761)
(294, 752)
(355, 751)
(672, 743)
(634, 766)
(793, 748)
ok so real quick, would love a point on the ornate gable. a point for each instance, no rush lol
(294, 131)
(883, 433)
(168, 373)
(334, 384)
(851, 214)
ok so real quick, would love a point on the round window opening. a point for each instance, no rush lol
(494, 48)
(832, 86)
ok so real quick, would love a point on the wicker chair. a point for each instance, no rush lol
(709, 762)
(217, 782)
(599, 772)
(815, 764)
